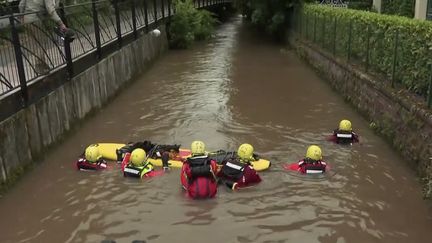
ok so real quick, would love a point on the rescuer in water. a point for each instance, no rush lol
(344, 134)
(155, 151)
(198, 174)
(135, 164)
(91, 159)
(313, 162)
(237, 172)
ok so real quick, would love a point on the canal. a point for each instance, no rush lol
(237, 88)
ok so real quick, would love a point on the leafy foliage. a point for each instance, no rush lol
(374, 40)
(189, 24)
(271, 15)
(399, 7)
(360, 4)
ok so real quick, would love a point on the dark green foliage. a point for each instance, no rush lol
(413, 42)
(8, 7)
(360, 4)
(399, 7)
(189, 24)
(271, 15)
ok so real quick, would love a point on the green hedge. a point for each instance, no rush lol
(414, 42)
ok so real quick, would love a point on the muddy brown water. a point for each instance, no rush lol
(237, 88)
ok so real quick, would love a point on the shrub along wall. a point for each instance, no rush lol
(396, 48)
(189, 24)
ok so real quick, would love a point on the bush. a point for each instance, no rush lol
(189, 24)
(273, 16)
(399, 7)
(413, 47)
(360, 4)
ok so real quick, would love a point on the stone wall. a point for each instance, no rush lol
(25, 135)
(401, 118)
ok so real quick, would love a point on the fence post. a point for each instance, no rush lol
(307, 27)
(323, 33)
(349, 40)
(368, 46)
(163, 8)
(146, 16)
(155, 11)
(395, 54)
(429, 99)
(134, 20)
(334, 35)
(19, 59)
(314, 28)
(300, 23)
(97, 30)
(117, 16)
(169, 8)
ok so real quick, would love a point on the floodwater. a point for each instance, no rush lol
(234, 89)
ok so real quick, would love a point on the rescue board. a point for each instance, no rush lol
(108, 152)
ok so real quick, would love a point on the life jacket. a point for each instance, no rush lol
(308, 166)
(343, 137)
(137, 171)
(200, 167)
(83, 164)
(198, 177)
(232, 170)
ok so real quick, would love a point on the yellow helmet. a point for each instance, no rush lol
(197, 147)
(92, 153)
(314, 152)
(245, 152)
(345, 126)
(138, 157)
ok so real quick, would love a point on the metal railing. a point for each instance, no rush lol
(363, 46)
(30, 49)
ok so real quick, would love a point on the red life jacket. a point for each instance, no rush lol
(342, 137)
(232, 170)
(83, 164)
(312, 167)
(242, 174)
(197, 177)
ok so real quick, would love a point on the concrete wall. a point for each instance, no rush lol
(377, 4)
(420, 9)
(25, 135)
(399, 117)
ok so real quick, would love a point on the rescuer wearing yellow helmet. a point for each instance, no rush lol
(237, 171)
(135, 164)
(313, 162)
(198, 173)
(344, 134)
(165, 152)
(91, 159)
(197, 148)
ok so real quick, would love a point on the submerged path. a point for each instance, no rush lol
(237, 88)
